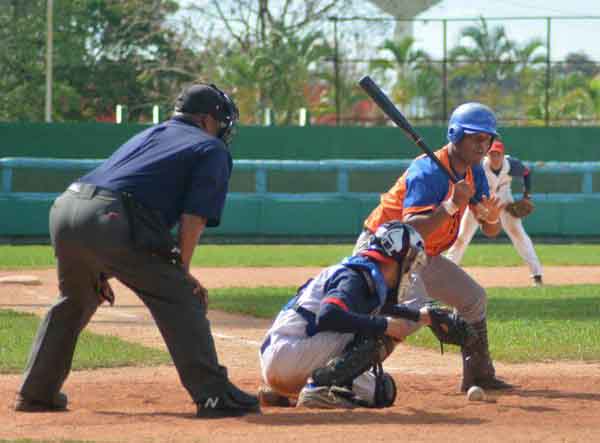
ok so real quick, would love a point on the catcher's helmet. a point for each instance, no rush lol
(471, 118)
(399, 242)
(202, 98)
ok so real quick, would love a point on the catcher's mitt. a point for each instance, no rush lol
(450, 328)
(520, 208)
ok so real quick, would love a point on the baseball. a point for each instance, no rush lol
(475, 393)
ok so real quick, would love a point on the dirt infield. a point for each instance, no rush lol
(554, 402)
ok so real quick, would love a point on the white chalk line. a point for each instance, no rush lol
(239, 339)
(215, 334)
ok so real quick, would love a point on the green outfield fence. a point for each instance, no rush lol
(99, 140)
(328, 198)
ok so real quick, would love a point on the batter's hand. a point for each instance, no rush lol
(462, 193)
(490, 208)
(199, 290)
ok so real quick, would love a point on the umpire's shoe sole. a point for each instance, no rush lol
(58, 404)
(240, 411)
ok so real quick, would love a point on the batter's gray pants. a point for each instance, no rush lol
(442, 280)
(90, 235)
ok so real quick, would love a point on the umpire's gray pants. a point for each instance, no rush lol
(442, 280)
(90, 235)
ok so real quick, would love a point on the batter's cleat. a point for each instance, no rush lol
(537, 281)
(493, 384)
(478, 369)
(57, 404)
(268, 397)
(233, 403)
(326, 397)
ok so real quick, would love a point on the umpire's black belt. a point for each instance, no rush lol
(87, 190)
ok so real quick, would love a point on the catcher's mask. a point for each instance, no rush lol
(399, 242)
(202, 98)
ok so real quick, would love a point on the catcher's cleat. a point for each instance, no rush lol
(326, 397)
(268, 397)
(537, 281)
(57, 404)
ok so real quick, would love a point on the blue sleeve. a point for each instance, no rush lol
(347, 305)
(424, 190)
(518, 169)
(208, 185)
(481, 184)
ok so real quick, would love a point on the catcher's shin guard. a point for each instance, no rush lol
(360, 354)
(478, 369)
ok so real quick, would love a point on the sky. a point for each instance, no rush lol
(566, 35)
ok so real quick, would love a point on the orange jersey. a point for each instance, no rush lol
(422, 188)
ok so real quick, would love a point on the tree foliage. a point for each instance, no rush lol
(105, 52)
(274, 54)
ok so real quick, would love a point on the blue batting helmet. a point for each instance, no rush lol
(471, 118)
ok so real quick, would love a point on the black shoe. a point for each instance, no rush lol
(494, 384)
(268, 397)
(537, 282)
(234, 403)
(57, 404)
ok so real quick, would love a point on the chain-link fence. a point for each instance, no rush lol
(507, 63)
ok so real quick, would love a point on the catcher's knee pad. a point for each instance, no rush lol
(385, 391)
(360, 355)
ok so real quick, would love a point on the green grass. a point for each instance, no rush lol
(525, 324)
(19, 257)
(260, 302)
(17, 331)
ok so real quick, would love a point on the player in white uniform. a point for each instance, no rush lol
(326, 345)
(500, 170)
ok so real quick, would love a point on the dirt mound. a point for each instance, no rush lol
(554, 402)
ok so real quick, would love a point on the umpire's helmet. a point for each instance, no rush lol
(399, 242)
(202, 98)
(471, 118)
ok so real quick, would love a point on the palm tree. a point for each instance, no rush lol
(274, 74)
(527, 75)
(417, 78)
(481, 65)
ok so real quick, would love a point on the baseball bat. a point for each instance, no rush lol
(386, 105)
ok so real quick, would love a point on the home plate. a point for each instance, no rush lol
(31, 280)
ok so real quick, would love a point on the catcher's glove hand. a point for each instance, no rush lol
(520, 208)
(450, 328)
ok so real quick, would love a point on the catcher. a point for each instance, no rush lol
(500, 170)
(328, 342)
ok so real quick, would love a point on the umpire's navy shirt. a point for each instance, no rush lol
(174, 167)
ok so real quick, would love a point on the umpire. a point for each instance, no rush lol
(116, 222)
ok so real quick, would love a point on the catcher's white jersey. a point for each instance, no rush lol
(293, 349)
(500, 182)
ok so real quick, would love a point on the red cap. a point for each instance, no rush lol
(497, 146)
